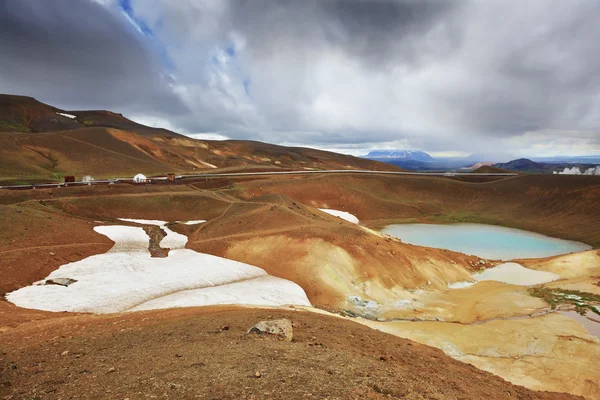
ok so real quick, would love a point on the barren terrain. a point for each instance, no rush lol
(206, 353)
(39, 144)
(352, 274)
(274, 223)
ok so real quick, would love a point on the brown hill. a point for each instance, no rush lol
(555, 205)
(488, 169)
(108, 119)
(206, 353)
(273, 223)
(96, 151)
(26, 114)
(39, 144)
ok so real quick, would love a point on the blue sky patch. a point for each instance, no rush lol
(140, 24)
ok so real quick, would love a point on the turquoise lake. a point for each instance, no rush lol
(486, 241)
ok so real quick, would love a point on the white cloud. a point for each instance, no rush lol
(154, 121)
(548, 143)
(471, 85)
(446, 77)
(207, 136)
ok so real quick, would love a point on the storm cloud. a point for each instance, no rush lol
(79, 54)
(520, 78)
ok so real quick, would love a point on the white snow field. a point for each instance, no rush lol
(264, 290)
(512, 273)
(67, 115)
(173, 240)
(341, 214)
(196, 222)
(126, 238)
(127, 278)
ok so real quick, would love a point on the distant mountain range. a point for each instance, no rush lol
(382, 155)
(421, 161)
(593, 159)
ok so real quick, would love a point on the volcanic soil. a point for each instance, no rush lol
(206, 353)
(274, 223)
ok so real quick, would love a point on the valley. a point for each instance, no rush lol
(294, 200)
(346, 269)
(248, 230)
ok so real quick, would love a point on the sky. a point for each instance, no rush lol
(500, 78)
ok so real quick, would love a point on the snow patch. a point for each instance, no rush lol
(128, 278)
(341, 214)
(126, 238)
(264, 290)
(67, 115)
(196, 222)
(173, 240)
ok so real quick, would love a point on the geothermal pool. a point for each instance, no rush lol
(486, 241)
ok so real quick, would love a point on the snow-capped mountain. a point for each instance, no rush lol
(398, 155)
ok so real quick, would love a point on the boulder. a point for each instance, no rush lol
(60, 281)
(281, 328)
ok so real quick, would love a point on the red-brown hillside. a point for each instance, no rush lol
(38, 143)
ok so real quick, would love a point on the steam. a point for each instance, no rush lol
(578, 171)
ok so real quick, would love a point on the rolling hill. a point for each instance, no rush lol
(39, 142)
(275, 224)
(489, 169)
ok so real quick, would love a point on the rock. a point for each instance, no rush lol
(60, 281)
(258, 374)
(65, 353)
(159, 253)
(52, 253)
(278, 327)
(111, 369)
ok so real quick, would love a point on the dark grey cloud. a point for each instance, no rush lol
(79, 54)
(374, 32)
(545, 75)
(440, 75)
(390, 31)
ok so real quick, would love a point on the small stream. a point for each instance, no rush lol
(590, 320)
